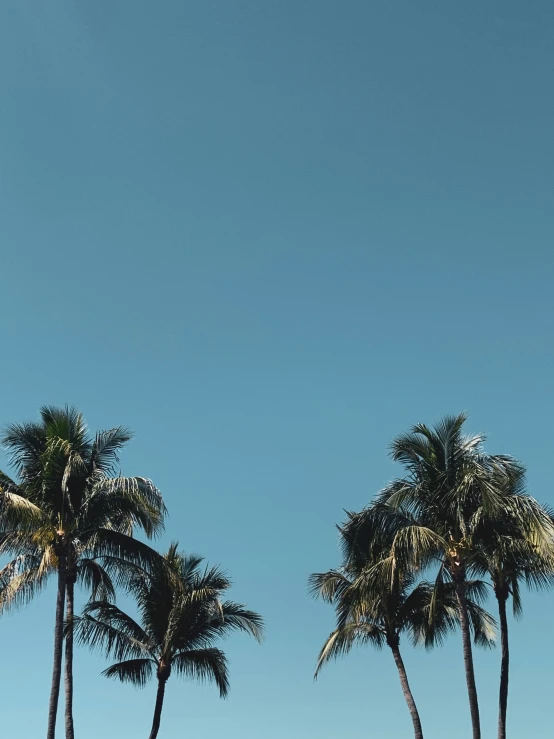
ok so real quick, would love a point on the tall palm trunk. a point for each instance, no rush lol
(158, 710)
(468, 657)
(58, 648)
(504, 666)
(69, 612)
(393, 644)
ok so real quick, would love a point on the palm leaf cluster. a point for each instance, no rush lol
(182, 616)
(68, 512)
(460, 515)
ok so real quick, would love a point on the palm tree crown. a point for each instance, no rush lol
(376, 600)
(451, 492)
(78, 520)
(181, 618)
(81, 509)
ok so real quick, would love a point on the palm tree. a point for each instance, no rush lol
(377, 602)
(519, 547)
(450, 486)
(81, 526)
(182, 617)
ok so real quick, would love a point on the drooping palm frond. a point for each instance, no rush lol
(429, 613)
(96, 579)
(129, 501)
(341, 641)
(135, 671)
(115, 546)
(416, 547)
(17, 511)
(235, 617)
(209, 664)
(118, 635)
(483, 625)
(22, 579)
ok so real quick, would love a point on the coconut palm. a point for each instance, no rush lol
(81, 526)
(518, 547)
(450, 486)
(181, 619)
(376, 602)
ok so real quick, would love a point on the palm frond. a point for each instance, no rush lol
(237, 617)
(131, 501)
(329, 586)
(21, 580)
(105, 450)
(341, 641)
(135, 671)
(483, 625)
(114, 544)
(204, 665)
(105, 626)
(95, 579)
(25, 443)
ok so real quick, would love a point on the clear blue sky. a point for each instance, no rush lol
(269, 236)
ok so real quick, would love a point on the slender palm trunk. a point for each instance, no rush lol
(158, 710)
(69, 732)
(418, 733)
(504, 667)
(58, 649)
(468, 658)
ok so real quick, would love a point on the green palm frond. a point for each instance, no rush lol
(416, 546)
(22, 541)
(483, 625)
(341, 641)
(16, 509)
(208, 664)
(235, 617)
(105, 450)
(116, 637)
(22, 579)
(136, 499)
(114, 546)
(430, 613)
(96, 579)
(517, 606)
(329, 586)
(110, 613)
(135, 671)
(25, 444)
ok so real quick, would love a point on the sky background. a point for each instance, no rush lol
(268, 237)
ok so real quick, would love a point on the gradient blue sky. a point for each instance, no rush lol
(269, 236)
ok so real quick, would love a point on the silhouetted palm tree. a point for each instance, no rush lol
(376, 601)
(81, 523)
(518, 546)
(450, 486)
(182, 617)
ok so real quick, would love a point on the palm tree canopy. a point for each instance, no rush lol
(519, 547)
(70, 500)
(376, 600)
(182, 617)
(451, 490)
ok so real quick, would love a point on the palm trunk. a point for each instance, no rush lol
(504, 668)
(69, 733)
(58, 649)
(468, 659)
(158, 710)
(418, 733)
